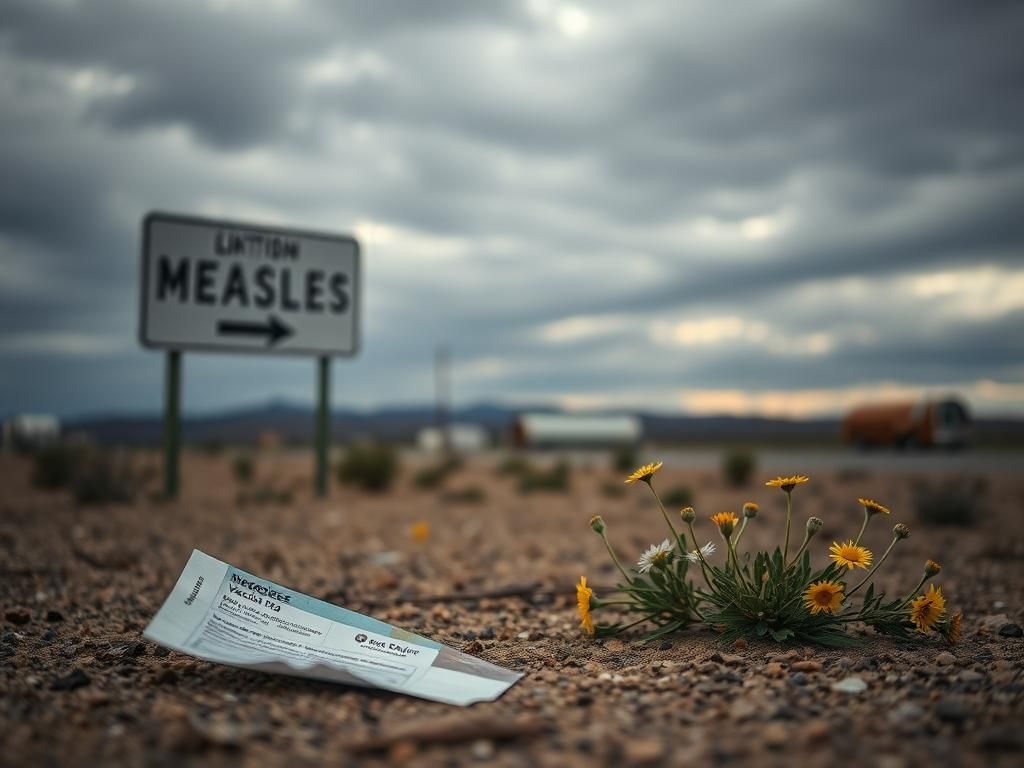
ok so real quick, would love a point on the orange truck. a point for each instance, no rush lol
(909, 424)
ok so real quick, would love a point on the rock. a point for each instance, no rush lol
(743, 708)
(816, 732)
(225, 732)
(806, 666)
(640, 752)
(1002, 738)
(945, 659)
(798, 678)
(71, 681)
(401, 752)
(994, 622)
(775, 735)
(1011, 630)
(774, 669)
(850, 685)
(54, 616)
(729, 659)
(907, 712)
(740, 644)
(970, 676)
(482, 749)
(18, 616)
(952, 710)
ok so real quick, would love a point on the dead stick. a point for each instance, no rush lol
(532, 589)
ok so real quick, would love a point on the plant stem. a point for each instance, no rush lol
(700, 556)
(869, 574)
(807, 538)
(736, 564)
(675, 535)
(743, 527)
(789, 520)
(913, 592)
(863, 527)
(615, 559)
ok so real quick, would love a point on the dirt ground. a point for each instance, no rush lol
(79, 686)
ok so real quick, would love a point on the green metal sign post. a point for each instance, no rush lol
(172, 422)
(323, 423)
(227, 286)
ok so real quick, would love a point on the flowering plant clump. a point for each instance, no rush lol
(765, 594)
(655, 591)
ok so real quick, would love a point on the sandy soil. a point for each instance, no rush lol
(79, 686)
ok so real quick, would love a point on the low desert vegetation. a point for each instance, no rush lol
(953, 502)
(762, 594)
(738, 466)
(555, 479)
(369, 467)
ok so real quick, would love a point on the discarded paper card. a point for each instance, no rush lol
(222, 614)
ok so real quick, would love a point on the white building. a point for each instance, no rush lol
(465, 438)
(562, 430)
(30, 430)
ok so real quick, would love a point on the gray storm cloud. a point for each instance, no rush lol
(587, 205)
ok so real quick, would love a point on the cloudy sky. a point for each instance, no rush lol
(782, 210)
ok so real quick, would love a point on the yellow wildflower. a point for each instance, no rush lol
(850, 555)
(645, 473)
(725, 521)
(952, 631)
(872, 507)
(420, 531)
(583, 595)
(927, 609)
(824, 596)
(787, 483)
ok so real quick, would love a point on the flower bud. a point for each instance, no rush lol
(900, 531)
(814, 524)
(597, 523)
(931, 568)
(687, 514)
(750, 509)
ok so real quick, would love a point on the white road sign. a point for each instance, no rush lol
(218, 285)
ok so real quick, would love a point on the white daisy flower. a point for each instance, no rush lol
(707, 550)
(656, 554)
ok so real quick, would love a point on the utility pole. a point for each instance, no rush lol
(442, 393)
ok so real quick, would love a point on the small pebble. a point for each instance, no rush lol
(1011, 630)
(952, 710)
(850, 685)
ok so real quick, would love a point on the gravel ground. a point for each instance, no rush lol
(80, 686)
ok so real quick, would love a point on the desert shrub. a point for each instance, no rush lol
(471, 494)
(101, 477)
(555, 479)
(624, 459)
(369, 466)
(435, 474)
(956, 501)
(678, 497)
(513, 466)
(738, 466)
(243, 468)
(53, 466)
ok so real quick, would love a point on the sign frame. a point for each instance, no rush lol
(227, 347)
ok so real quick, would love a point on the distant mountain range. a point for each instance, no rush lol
(294, 424)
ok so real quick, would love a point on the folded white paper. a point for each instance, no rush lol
(219, 613)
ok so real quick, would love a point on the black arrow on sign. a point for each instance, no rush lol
(273, 329)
